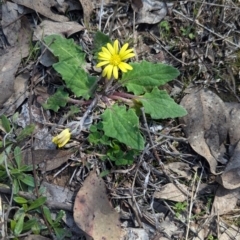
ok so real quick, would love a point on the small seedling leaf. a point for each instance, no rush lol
(26, 132)
(146, 75)
(37, 203)
(123, 125)
(47, 214)
(20, 200)
(160, 105)
(6, 123)
(27, 179)
(59, 99)
(19, 225)
(18, 156)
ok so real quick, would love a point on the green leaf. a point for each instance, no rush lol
(75, 78)
(26, 132)
(47, 214)
(146, 75)
(18, 156)
(59, 99)
(29, 224)
(60, 215)
(73, 110)
(15, 186)
(66, 50)
(19, 225)
(37, 203)
(6, 123)
(27, 179)
(20, 200)
(100, 40)
(4, 154)
(160, 105)
(123, 125)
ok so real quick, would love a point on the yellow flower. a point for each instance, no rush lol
(62, 138)
(114, 59)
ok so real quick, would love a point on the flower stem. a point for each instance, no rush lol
(124, 95)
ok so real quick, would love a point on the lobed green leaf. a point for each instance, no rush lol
(59, 99)
(160, 105)
(123, 125)
(146, 75)
(75, 78)
(66, 50)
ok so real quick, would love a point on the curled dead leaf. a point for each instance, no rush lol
(206, 125)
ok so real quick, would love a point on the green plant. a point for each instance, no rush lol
(11, 158)
(26, 217)
(179, 208)
(110, 148)
(188, 32)
(56, 224)
(137, 87)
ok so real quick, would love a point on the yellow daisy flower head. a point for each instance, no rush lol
(115, 59)
(62, 138)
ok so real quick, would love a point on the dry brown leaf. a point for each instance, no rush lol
(88, 8)
(225, 200)
(43, 7)
(152, 11)
(11, 23)
(171, 192)
(206, 125)
(230, 178)
(10, 61)
(46, 159)
(93, 212)
(48, 27)
(233, 122)
(180, 168)
(19, 95)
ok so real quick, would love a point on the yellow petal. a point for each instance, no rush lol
(107, 71)
(104, 55)
(129, 55)
(110, 49)
(102, 63)
(125, 66)
(123, 49)
(105, 50)
(126, 52)
(62, 138)
(115, 46)
(115, 72)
